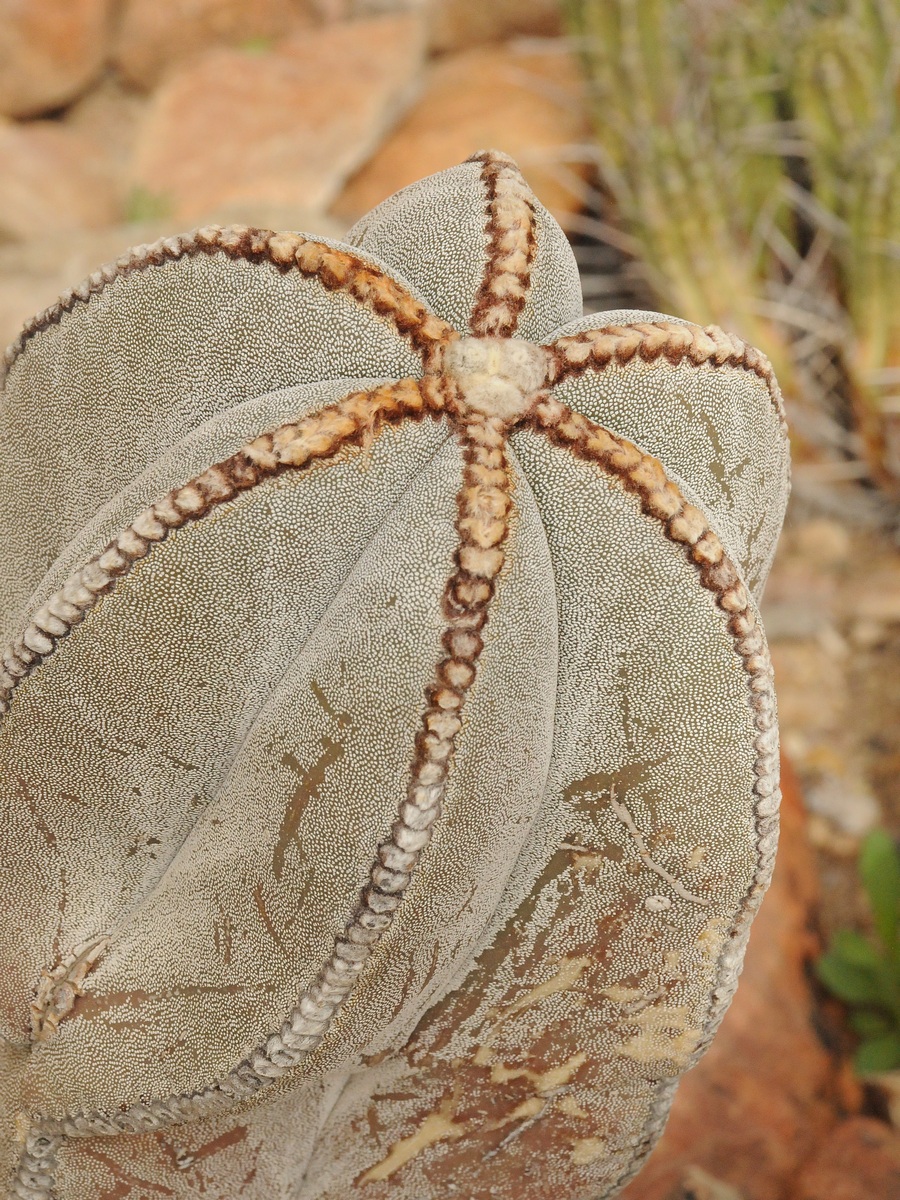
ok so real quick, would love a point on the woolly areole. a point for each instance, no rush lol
(497, 377)
(388, 745)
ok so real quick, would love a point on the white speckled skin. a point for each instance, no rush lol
(197, 770)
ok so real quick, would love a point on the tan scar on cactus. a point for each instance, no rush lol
(399, 493)
(59, 988)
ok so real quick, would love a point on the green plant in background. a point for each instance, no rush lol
(845, 92)
(752, 152)
(257, 45)
(684, 98)
(144, 205)
(865, 972)
(668, 153)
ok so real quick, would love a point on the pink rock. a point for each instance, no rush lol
(281, 128)
(860, 1161)
(51, 181)
(50, 51)
(153, 36)
(527, 101)
(456, 24)
(107, 119)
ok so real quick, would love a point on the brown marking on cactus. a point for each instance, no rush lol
(523, 1115)
(336, 270)
(265, 917)
(487, 1098)
(223, 933)
(664, 1033)
(231, 1137)
(549, 1086)
(596, 349)
(543, 1081)
(490, 1094)
(435, 1026)
(307, 789)
(588, 1150)
(622, 813)
(342, 718)
(127, 1180)
(568, 974)
(95, 1003)
(585, 795)
(421, 984)
(40, 824)
(572, 1108)
(511, 247)
(60, 987)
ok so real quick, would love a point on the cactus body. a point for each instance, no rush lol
(388, 754)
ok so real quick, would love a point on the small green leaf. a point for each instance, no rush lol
(257, 45)
(850, 983)
(854, 949)
(870, 1024)
(878, 1054)
(879, 869)
(144, 205)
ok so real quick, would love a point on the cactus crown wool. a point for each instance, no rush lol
(388, 753)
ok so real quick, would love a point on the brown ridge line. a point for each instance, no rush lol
(484, 503)
(617, 345)
(683, 523)
(337, 270)
(511, 247)
(351, 421)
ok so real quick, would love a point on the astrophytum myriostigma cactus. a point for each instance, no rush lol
(387, 738)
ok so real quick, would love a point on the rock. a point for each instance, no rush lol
(812, 705)
(517, 98)
(153, 36)
(279, 129)
(886, 1085)
(698, 1184)
(51, 181)
(457, 24)
(879, 599)
(860, 1161)
(768, 1093)
(20, 297)
(34, 273)
(49, 52)
(846, 802)
(108, 117)
(823, 542)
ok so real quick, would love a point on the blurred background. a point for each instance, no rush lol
(725, 161)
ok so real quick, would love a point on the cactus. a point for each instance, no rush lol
(388, 751)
